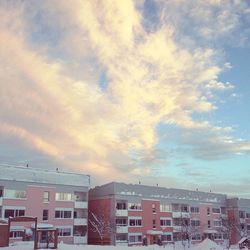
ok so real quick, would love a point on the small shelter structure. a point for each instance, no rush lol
(44, 235)
(23, 219)
(243, 243)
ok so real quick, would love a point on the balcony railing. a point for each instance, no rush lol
(122, 229)
(80, 221)
(80, 239)
(181, 215)
(81, 204)
(120, 212)
(177, 228)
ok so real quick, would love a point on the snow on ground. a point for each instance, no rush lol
(205, 245)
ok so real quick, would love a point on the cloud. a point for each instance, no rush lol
(51, 97)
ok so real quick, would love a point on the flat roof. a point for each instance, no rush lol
(43, 176)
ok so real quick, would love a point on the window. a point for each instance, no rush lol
(248, 227)
(196, 237)
(64, 232)
(195, 223)
(165, 208)
(45, 196)
(166, 237)
(16, 234)
(218, 236)
(223, 210)
(217, 223)
(45, 214)
(184, 208)
(194, 210)
(154, 223)
(242, 214)
(14, 194)
(134, 206)
(208, 224)
(135, 238)
(216, 210)
(121, 222)
(65, 214)
(64, 197)
(13, 213)
(248, 215)
(165, 222)
(121, 206)
(135, 222)
(208, 211)
(175, 208)
(153, 208)
(121, 237)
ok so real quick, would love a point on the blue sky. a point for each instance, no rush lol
(151, 91)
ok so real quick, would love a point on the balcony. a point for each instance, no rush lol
(80, 221)
(122, 229)
(121, 243)
(242, 220)
(181, 215)
(121, 212)
(81, 204)
(224, 216)
(177, 229)
(80, 239)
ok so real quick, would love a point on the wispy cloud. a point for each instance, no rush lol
(51, 97)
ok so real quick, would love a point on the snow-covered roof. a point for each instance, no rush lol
(17, 228)
(208, 244)
(242, 240)
(155, 192)
(34, 175)
(42, 226)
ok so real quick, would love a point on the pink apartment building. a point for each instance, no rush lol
(137, 214)
(58, 199)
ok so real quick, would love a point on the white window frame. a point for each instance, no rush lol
(134, 235)
(215, 221)
(136, 205)
(171, 234)
(61, 228)
(165, 219)
(136, 219)
(62, 211)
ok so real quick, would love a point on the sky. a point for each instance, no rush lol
(150, 91)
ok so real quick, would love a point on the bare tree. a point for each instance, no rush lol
(100, 224)
(229, 227)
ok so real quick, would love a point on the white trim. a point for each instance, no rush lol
(134, 234)
(14, 207)
(65, 227)
(64, 209)
(17, 228)
(135, 218)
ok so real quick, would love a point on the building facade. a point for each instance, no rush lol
(238, 218)
(138, 214)
(58, 199)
